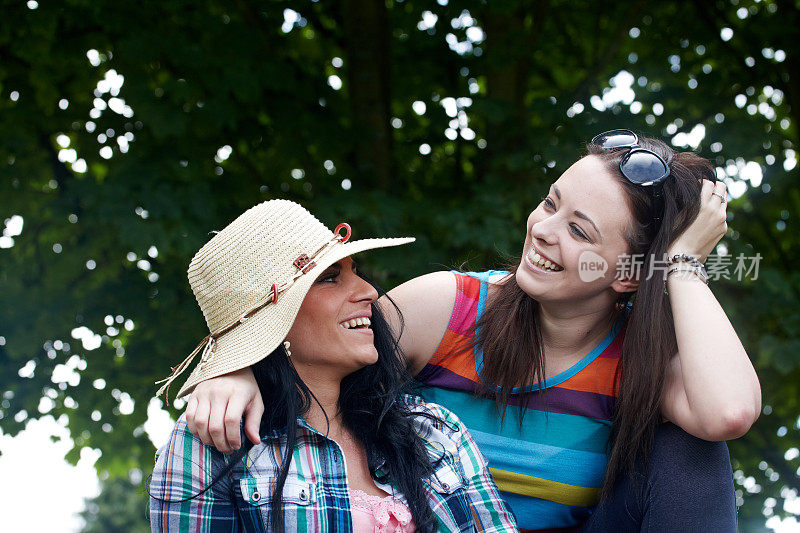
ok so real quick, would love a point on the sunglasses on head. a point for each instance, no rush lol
(640, 166)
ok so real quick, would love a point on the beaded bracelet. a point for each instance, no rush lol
(685, 258)
(700, 272)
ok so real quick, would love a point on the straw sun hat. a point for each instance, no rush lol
(250, 280)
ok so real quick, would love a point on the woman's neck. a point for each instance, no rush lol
(323, 416)
(573, 329)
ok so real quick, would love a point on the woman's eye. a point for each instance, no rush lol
(327, 278)
(577, 232)
(548, 203)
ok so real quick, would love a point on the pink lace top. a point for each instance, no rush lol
(379, 515)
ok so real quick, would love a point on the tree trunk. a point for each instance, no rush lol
(367, 47)
(507, 72)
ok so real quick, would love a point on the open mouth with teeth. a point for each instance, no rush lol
(356, 323)
(540, 261)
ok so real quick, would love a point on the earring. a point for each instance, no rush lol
(286, 345)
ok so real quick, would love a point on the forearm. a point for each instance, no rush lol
(721, 388)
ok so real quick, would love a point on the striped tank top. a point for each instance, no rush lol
(551, 469)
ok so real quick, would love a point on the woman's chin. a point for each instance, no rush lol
(371, 359)
(530, 284)
(365, 359)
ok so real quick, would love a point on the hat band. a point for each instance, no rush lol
(303, 264)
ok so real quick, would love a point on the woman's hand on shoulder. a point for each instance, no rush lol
(426, 303)
(216, 406)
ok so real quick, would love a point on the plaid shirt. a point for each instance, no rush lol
(461, 494)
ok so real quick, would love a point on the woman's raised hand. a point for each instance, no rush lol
(216, 406)
(703, 234)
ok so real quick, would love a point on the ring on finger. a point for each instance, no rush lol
(721, 196)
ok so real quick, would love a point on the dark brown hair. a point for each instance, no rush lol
(509, 332)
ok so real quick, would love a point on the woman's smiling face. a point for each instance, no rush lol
(576, 228)
(331, 334)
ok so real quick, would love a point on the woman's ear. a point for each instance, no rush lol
(625, 284)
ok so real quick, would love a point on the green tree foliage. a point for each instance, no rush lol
(121, 507)
(441, 121)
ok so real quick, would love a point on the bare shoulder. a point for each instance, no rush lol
(426, 304)
(430, 288)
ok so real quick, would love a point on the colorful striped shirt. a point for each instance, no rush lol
(316, 498)
(550, 469)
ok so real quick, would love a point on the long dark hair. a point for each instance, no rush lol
(370, 406)
(509, 331)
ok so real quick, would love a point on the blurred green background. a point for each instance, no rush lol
(130, 130)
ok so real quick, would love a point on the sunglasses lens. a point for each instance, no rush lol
(615, 139)
(644, 168)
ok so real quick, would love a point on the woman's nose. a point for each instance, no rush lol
(544, 230)
(363, 291)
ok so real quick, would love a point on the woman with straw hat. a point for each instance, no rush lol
(602, 330)
(341, 448)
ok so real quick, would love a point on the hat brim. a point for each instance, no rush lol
(259, 335)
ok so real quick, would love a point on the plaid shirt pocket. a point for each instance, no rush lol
(257, 491)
